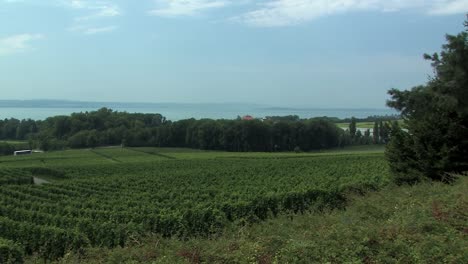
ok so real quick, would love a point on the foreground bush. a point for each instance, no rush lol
(10, 253)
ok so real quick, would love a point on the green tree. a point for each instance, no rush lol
(352, 127)
(367, 133)
(92, 139)
(436, 117)
(376, 133)
(384, 132)
(366, 139)
(358, 136)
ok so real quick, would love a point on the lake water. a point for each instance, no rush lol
(178, 112)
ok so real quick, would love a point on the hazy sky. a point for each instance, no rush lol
(314, 53)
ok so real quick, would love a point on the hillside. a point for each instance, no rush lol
(426, 223)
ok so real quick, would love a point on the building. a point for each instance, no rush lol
(248, 117)
(22, 152)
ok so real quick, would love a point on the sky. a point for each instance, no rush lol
(291, 53)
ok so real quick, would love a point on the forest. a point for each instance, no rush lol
(106, 127)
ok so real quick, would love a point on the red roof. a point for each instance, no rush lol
(248, 117)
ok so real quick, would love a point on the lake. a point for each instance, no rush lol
(184, 111)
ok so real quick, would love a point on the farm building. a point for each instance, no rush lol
(247, 117)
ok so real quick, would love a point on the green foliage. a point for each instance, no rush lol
(111, 204)
(15, 176)
(424, 223)
(44, 171)
(352, 127)
(49, 242)
(401, 157)
(436, 117)
(6, 149)
(283, 118)
(10, 253)
(106, 127)
(376, 133)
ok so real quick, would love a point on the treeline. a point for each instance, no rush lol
(374, 118)
(379, 134)
(107, 127)
(86, 129)
(250, 135)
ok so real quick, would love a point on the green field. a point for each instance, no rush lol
(364, 125)
(15, 142)
(121, 201)
(108, 197)
(369, 125)
(113, 155)
(426, 223)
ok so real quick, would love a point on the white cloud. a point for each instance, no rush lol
(77, 4)
(171, 8)
(290, 12)
(97, 30)
(17, 43)
(93, 10)
(453, 7)
(93, 30)
(97, 9)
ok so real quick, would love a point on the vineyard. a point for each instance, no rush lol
(15, 176)
(110, 197)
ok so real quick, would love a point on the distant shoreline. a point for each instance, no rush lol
(42, 109)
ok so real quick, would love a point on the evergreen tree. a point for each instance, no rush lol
(436, 116)
(352, 127)
(367, 133)
(358, 137)
(367, 137)
(376, 133)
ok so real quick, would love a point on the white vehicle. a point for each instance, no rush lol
(23, 152)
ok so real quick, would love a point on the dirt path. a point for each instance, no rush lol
(111, 159)
(152, 153)
(39, 181)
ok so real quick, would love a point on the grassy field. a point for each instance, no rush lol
(363, 125)
(14, 142)
(180, 205)
(113, 155)
(369, 125)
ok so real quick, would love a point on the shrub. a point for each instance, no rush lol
(10, 253)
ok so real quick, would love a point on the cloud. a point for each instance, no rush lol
(93, 30)
(98, 9)
(17, 43)
(76, 4)
(94, 12)
(274, 13)
(172, 8)
(454, 7)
